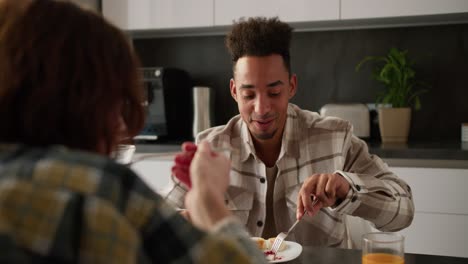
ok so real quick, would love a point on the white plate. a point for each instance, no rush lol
(293, 251)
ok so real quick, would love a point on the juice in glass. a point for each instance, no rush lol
(382, 258)
(383, 248)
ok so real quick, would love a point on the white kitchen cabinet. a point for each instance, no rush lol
(182, 13)
(127, 15)
(226, 11)
(437, 190)
(202, 16)
(155, 172)
(363, 9)
(158, 14)
(437, 234)
(440, 225)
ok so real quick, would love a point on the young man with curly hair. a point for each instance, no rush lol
(283, 157)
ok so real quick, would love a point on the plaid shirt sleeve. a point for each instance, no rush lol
(175, 193)
(376, 193)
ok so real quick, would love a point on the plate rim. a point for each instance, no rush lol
(284, 260)
(288, 259)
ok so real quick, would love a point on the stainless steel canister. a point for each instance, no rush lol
(202, 103)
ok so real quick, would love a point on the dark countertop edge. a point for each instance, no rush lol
(437, 150)
(417, 154)
(427, 163)
(157, 148)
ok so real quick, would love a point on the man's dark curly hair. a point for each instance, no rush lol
(260, 36)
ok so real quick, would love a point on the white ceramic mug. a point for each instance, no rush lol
(124, 153)
(464, 132)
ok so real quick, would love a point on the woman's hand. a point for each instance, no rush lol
(182, 163)
(209, 174)
(209, 169)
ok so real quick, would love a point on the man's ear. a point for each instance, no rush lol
(292, 85)
(232, 87)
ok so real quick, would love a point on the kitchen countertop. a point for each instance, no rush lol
(146, 148)
(437, 154)
(447, 150)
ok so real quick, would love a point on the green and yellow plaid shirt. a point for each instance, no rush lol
(58, 205)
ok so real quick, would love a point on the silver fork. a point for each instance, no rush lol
(282, 236)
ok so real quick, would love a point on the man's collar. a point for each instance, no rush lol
(289, 143)
(247, 141)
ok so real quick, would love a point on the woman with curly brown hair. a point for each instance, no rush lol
(69, 93)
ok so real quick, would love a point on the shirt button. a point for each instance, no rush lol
(354, 199)
(259, 223)
(262, 180)
(358, 188)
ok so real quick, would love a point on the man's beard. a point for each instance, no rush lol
(265, 135)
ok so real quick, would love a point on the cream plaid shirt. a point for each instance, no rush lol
(311, 144)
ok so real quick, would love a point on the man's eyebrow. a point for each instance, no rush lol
(250, 86)
(273, 84)
(246, 86)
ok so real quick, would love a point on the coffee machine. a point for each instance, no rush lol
(168, 104)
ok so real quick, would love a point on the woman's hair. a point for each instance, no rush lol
(66, 77)
(260, 36)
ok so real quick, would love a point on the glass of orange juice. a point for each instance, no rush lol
(383, 248)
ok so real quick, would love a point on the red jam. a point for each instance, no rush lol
(270, 252)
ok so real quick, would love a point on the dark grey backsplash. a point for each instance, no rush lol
(324, 62)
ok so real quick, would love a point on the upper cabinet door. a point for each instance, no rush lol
(127, 15)
(182, 13)
(158, 14)
(355, 9)
(227, 11)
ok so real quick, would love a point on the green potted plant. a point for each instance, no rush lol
(401, 92)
